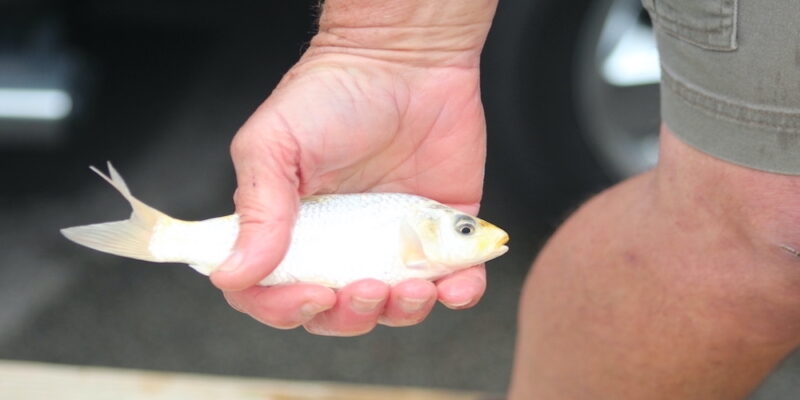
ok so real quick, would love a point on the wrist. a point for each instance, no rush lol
(420, 32)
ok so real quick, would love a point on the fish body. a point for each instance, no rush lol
(337, 239)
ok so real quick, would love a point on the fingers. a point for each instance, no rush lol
(358, 307)
(356, 312)
(409, 303)
(364, 303)
(266, 201)
(462, 289)
(283, 307)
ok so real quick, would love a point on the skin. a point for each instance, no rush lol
(360, 113)
(671, 285)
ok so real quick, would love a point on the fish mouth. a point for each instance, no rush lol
(500, 246)
(495, 253)
(493, 243)
(503, 240)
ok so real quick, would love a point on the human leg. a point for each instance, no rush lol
(674, 284)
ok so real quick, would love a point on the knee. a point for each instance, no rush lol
(746, 223)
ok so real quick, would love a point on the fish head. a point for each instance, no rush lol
(455, 240)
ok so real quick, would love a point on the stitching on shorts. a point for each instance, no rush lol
(721, 28)
(743, 114)
(721, 38)
(705, 45)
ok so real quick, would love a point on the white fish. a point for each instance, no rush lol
(337, 239)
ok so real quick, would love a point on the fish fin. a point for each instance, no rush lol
(122, 238)
(142, 213)
(411, 250)
(128, 238)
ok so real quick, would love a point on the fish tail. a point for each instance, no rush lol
(128, 238)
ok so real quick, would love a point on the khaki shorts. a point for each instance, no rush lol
(730, 82)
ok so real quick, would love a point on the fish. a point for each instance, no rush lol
(337, 238)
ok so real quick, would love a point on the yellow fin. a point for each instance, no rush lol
(411, 250)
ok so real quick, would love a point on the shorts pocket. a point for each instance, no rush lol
(710, 24)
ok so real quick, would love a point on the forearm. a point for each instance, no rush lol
(422, 32)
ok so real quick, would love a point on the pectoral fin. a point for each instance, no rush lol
(411, 250)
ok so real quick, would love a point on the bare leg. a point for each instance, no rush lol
(676, 284)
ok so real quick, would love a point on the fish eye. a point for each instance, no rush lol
(465, 226)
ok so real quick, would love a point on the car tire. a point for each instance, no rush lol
(542, 134)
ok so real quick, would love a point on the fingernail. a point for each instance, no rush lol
(459, 304)
(362, 305)
(233, 262)
(412, 305)
(309, 310)
(235, 305)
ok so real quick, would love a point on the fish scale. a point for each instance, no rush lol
(355, 236)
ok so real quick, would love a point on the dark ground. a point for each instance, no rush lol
(169, 98)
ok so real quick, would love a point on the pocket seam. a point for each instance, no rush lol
(719, 29)
(685, 32)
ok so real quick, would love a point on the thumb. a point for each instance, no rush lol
(266, 201)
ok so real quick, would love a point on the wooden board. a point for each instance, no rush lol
(35, 381)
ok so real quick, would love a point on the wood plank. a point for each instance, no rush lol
(35, 381)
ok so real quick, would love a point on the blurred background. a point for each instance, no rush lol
(160, 87)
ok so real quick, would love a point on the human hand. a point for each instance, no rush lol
(344, 122)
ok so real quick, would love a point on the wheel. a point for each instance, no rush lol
(617, 75)
(571, 96)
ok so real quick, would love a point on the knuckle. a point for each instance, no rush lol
(248, 206)
(270, 148)
(242, 143)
